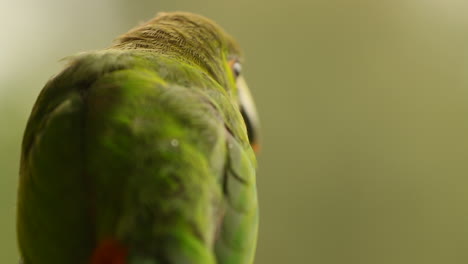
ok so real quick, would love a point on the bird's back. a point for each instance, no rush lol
(129, 149)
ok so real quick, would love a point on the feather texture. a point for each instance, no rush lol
(142, 144)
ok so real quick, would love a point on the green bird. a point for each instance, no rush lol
(143, 153)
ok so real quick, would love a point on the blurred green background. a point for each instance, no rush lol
(364, 108)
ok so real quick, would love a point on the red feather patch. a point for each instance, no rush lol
(109, 251)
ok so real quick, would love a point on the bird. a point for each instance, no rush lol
(143, 153)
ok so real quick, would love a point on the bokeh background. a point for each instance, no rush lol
(364, 108)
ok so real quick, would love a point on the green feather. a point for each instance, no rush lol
(143, 143)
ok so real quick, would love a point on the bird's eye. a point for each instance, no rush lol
(237, 69)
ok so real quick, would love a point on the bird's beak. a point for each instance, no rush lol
(249, 113)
